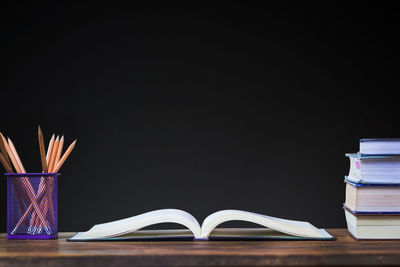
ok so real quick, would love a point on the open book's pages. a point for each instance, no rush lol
(372, 197)
(129, 229)
(373, 226)
(376, 169)
(378, 146)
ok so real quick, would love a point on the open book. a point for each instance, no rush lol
(129, 228)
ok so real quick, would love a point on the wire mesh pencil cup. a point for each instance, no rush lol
(32, 205)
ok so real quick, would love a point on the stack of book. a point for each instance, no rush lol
(372, 205)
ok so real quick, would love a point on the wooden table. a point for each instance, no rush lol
(344, 251)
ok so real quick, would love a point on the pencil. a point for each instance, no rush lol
(47, 199)
(14, 151)
(42, 150)
(53, 153)
(10, 154)
(3, 149)
(64, 157)
(59, 151)
(5, 164)
(49, 149)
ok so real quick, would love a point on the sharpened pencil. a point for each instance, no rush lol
(14, 151)
(42, 150)
(49, 149)
(59, 151)
(64, 157)
(11, 155)
(53, 153)
(5, 164)
(3, 149)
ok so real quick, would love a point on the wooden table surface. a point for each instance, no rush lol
(344, 251)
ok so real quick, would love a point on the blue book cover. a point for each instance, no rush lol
(346, 180)
(371, 156)
(379, 139)
(355, 212)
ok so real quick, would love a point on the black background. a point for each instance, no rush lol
(202, 108)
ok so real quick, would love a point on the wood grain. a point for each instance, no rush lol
(345, 251)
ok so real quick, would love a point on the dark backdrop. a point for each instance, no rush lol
(202, 108)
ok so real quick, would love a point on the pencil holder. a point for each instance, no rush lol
(32, 205)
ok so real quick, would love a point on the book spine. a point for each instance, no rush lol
(355, 169)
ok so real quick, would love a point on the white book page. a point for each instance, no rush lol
(134, 223)
(295, 228)
(380, 147)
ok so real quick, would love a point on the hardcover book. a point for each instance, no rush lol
(379, 146)
(130, 228)
(372, 197)
(370, 225)
(374, 169)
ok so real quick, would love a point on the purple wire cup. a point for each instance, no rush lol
(32, 205)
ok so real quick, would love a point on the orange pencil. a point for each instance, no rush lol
(5, 164)
(59, 151)
(11, 155)
(14, 151)
(3, 149)
(52, 158)
(53, 153)
(42, 150)
(64, 157)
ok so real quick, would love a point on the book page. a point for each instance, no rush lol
(125, 226)
(295, 228)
